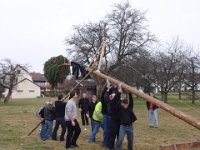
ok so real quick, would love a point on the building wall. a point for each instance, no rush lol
(26, 89)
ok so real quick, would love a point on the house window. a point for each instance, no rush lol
(18, 71)
(31, 91)
(20, 91)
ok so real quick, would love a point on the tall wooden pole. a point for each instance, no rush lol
(177, 113)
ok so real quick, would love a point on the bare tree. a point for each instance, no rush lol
(125, 31)
(168, 67)
(8, 77)
(192, 75)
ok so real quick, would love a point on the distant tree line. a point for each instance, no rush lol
(133, 54)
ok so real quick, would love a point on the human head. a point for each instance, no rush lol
(50, 102)
(112, 93)
(60, 97)
(151, 94)
(94, 98)
(124, 103)
(84, 95)
(73, 95)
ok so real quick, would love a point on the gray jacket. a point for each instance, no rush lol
(49, 112)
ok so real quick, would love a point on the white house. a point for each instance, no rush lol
(24, 87)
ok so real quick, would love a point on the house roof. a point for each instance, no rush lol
(38, 77)
(23, 68)
(28, 80)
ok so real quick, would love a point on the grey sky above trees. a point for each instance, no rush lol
(32, 31)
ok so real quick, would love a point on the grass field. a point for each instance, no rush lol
(17, 118)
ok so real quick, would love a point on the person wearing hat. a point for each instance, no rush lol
(74, 129)
(127, 118)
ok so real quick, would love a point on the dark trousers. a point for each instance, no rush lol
(84, 118)
(73, 133)
(59, 121)
(114, 132)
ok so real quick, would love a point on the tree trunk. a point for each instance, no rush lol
(8, 96)
(193, 96)
(179, 90)
(165, 97)
(179, 94)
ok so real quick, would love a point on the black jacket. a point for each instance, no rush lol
(127, 116)
(60, 109)
(148, 105)
(113, 104)
(49, 112)
(83, 104)
(109, 106)
(91, 108)
(104, 102)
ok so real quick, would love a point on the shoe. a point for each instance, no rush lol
(75, 145)
(69, 146)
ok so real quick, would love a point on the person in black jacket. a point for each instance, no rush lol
(49, 116)
(153, 118)
(127, 117)
(114, 116)
(91, 108)
(60, 120)
(109, 99)
(83, 108)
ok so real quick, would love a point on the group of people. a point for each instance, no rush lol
(113, 113)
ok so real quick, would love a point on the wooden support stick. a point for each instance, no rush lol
(79, 82)
(177, 113)
(101, 55)
(35, 128)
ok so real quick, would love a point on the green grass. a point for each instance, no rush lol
(17, 118)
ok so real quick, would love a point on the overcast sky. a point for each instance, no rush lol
(31, 31)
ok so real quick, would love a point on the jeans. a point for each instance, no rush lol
(92, 124)
(106, 130)
(84, 118)
(42, 130)
(73, 133)
(153, 118)
(47, 129)
(97, 125)
(128, 130)
(59, 121)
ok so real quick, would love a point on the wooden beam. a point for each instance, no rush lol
(181, 146)
(177, 113)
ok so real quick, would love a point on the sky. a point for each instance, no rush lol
(32, 31)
